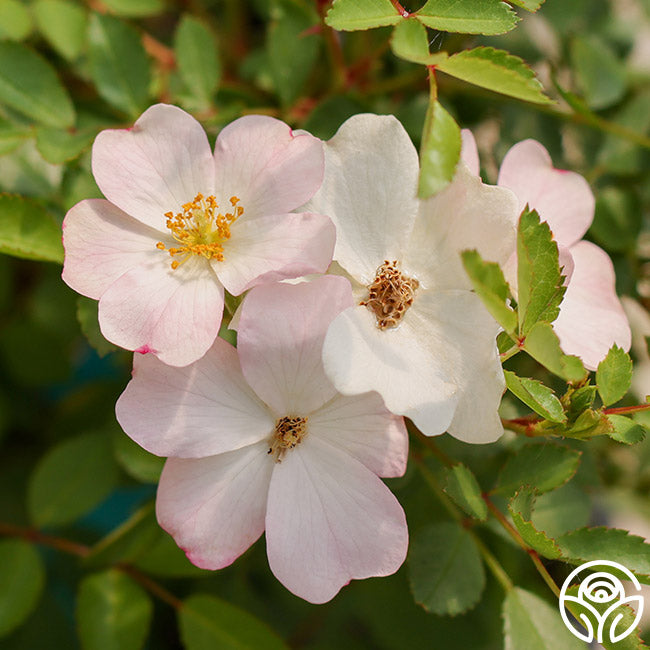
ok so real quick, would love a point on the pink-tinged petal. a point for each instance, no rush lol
(275, 248)
(155, 167)
(269, 167)
(214, 507)
(591, 316)
(562, 198)
(200, 410)
(330, 520)
(458, 337)
(469, 152)
(369, 191)
(359, 357)
(467, 214)
(176, 314)
(102, 243)
(280, 338)
(363, 428)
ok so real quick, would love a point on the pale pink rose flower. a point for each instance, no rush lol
(259, 440)
(591, 316)
(417, 334)
(182, 223)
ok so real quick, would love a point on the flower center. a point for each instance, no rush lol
(200, 229)
(289, 432)
(390, 295)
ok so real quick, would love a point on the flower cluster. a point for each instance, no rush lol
(291, 432)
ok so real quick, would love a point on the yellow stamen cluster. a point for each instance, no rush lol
(289, 432)
(199, 229)
(390, 295)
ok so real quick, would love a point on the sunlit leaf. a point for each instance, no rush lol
(468, 16)
(350, 15)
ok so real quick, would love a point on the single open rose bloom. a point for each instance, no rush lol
(417, 334)
(259, 440)
(180, 224)
(591, 317)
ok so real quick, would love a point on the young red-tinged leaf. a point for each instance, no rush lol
(614, 375)
(468, 16)
(496, 70)
(541, 466)
(352, 15)
(410, 42)
(445, 569)
(521, 509)
(22, 576)
(440, 150)
(537, 396)
(461, 485)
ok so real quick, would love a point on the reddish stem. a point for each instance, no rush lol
(402, 12)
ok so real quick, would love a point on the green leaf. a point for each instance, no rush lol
(618, 217)
(197, 58)
(87, 317)
(599, 73)
(539, 397)
(22, 577)
(59, 146)
(461, 485)
(352, 15)
(136, 461)
(542, 466)
(614, 375)
(528, 5)
(543, 345)
(468, 16)
(530, 623)
(496, 70)
(410, 42)
(27, 230)
(12, 136)
(615, 545)
(135, 8)
(71, 479)
(164, 559)
(440, 151)
(63, 24)
(292, 52)
(540, 288)
(579, 399)
(113, 612)
(625, 430)
(15, 20)
(30, 85)
(118, 63)
(445, 569)
(521, 510)
(489, 283)
(207, 623)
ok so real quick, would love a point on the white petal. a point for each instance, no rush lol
(369, 191)
(469, 152)
(200, 410)
(359, 357)
(362, 427)
(467, 214)
(214, 507)
(155, 167)
(280, 338)
(330, 520)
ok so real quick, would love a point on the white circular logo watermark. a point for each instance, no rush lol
(599, 601)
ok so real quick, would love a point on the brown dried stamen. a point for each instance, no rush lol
(390, 295)
(289, 432)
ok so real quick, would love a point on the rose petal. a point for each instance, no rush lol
(200, 410)
(562, 198)
(280, 338)
(271, 169)
(591, 317)
(469, 152)
(155, 167)
(363, 428)
(359, 357)
(101, 244)
(275, 248)
(329, 520)
(369, 191)
(214, 507)
(175, 314)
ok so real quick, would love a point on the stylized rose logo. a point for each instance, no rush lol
(599, 602)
